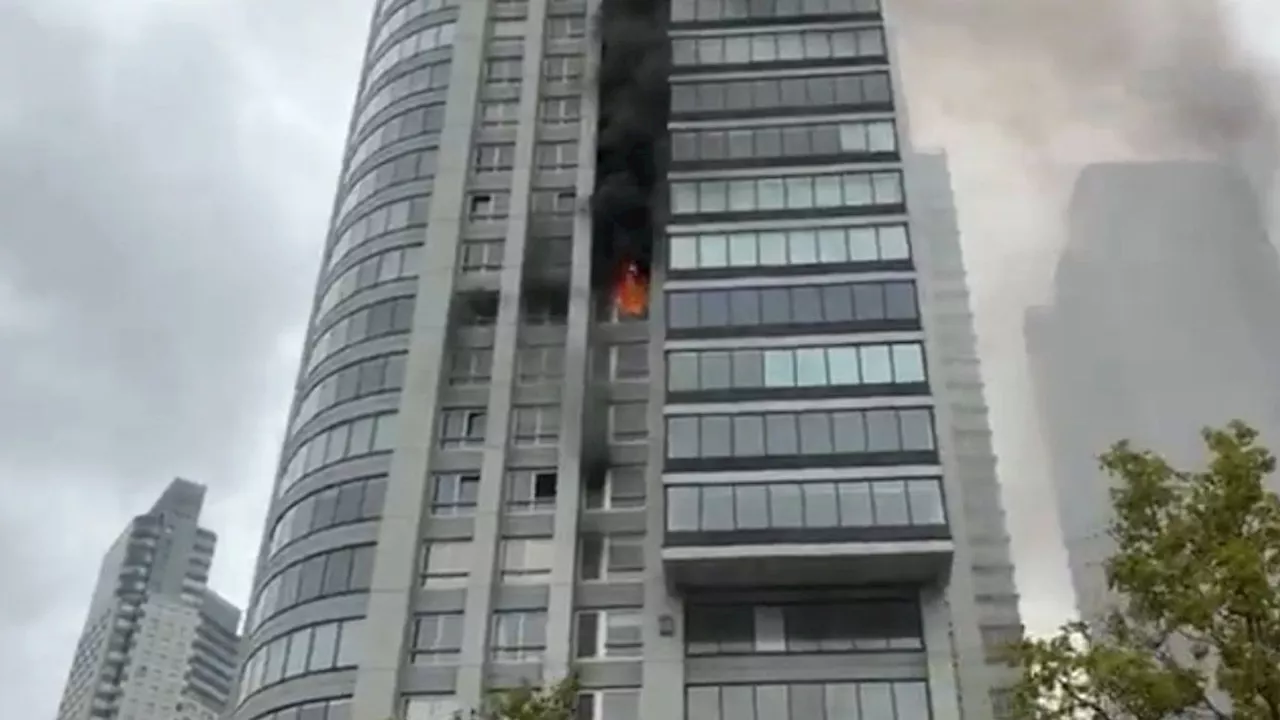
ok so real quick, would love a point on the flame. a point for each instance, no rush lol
(631, 293)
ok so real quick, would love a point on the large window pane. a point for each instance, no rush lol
(908, 363)
(748, 436)
(682, 437)
(779, 369)
(682, 508)
(780, 435)
(925, 499)
(752, 510)
(917, 429)
(716, 436)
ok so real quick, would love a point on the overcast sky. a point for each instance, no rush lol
(166, 171)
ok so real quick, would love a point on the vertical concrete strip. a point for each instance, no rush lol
(395, 568)
(486, 537)
(579, 377)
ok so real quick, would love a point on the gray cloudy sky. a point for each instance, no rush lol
(166, 169)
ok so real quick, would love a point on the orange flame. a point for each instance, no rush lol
(631, 294)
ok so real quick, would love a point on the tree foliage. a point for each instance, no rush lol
(555, 701)
(1196, 632)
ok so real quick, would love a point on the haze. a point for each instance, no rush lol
(168, 168)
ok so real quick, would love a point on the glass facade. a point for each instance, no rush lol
(738, 505)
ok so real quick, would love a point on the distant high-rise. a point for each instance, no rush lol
(771, 498)
(158, 644)
(1163, 321)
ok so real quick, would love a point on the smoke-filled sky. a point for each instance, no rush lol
(166, 169)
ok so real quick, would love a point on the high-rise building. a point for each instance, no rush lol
(158, 644)
(1161, 323)
(760, 498)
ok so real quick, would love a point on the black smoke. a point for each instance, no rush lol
(633, 100)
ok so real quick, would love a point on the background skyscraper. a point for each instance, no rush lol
(773, 496)
(158, 644)
(1162, 322)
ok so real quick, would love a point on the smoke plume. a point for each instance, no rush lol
(1167, 77)
(633, 99)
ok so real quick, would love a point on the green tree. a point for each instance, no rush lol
(1196, 632)
(554, 701)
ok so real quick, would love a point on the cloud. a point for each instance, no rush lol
(162, 205)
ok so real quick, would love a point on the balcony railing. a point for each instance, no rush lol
(806, 532)
(806, 511)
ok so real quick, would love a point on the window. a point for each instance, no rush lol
(519, 636)
(719, 10)
(787, 193)
(425, 40)
(903, 700)
(784, 143)
(387, 266)
(762, 436)
(619, 488)
(462, 428)
(535, 425)
(383, 373)
(423, 79)
(470, 366)
(377, 222)
(887, 305)
(414, 122)
(397, 170)
(310, 650)
(454, 493)
(552, 202)
(352, 501)
(437, 639)
(488, 206)
(431, 707)
(336, 572)
(609, 705)
(504, 72)
(499, 113)
(557, 155)
(388, 317)
(912, 502)
(548, 308)
(561, 110)
(828, 627)
(801, 247)
(493, 157)
(527, 560)
(531, 490)
(610, 633)
(787, 369)
(791, 95)
(482, 255)
(446, 563)
(354, 438)
(562, 68)
(629, 362)
(997, 639)
(566, 27)
(478, 309)
(611, 558)
(507, 28)
(629, 422)
(406, 13)
(539, 364)
(803, 46)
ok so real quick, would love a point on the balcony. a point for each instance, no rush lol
(806, 533)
